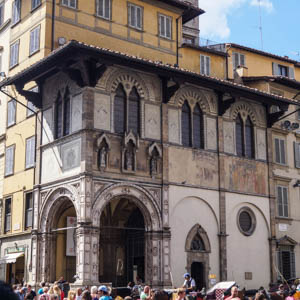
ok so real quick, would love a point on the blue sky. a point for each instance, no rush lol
(237, 21)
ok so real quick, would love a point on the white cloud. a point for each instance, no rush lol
(214, 23)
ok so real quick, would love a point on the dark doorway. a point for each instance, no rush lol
(197, 272)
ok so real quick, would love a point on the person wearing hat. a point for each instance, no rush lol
(189, 283)
(104, 293)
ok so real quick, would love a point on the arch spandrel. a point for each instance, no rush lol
(143, 200)
(244, 109)
(53, 202)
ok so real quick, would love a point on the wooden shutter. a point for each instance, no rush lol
(28, 156)
(285, 202)
(297, 154)
(277, 151)
(198, 127)
(138, 17)
(291, 73)
(186, 125)
(162, 30)
(73, 3)
(134, 111)
(107, 8)
(119, 110)
(242, 60)
(249, 139)
(202, 64)
(11, 113)
(279, 201)
(9, 160)
(275, 69)
(168, 27)
(207, 65)
(239, 140)
(235, 60)
(282, 152)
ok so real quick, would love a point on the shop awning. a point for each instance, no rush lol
(10, 258)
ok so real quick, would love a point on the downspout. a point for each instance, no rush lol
(177, 40)
(52, 25)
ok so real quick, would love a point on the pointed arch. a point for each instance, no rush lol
(134, 111)
(186, 129)
(120, 110)
(199, 234)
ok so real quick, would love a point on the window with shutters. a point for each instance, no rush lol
(7, 219)
(204, 65)
(281, 70)
(35, 4)
(282, 201)
(286, 261)
(238, 60)
(16, 12)
(192, 132)
(69, 3)
(9, 160)
(135, 16)
(28, 209)
(279, 145)
(63, 115)
(246, 221)
(34, 44)
(165, 26)
(297, 154)
(30, 106)
(30, 152)
(1, 15)
(103, 9)
(14, 54)
(11, 113)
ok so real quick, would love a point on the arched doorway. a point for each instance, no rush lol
(122, 242)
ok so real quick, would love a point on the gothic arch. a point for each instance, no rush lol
(53, 203)
(193, 96)
(197, 229)
(245, 110)
(128, 80)
(142, 198)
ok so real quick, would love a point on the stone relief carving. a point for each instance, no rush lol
(229, 140)
(211, 133)
(261, 144)
(102, 111)
(173, 120)
(152, 121)
(70, 153)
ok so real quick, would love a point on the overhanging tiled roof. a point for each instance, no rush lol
(51, 63)
(278, 79)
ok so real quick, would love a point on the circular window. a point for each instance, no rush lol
(246, 221)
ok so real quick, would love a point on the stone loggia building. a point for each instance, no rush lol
(165, 171)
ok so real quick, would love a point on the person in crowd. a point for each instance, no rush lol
(234, 294)
(45, 295)
(40, 291)
(94, 292)
(104, 293)
(189, 283)
(291, 295)
(7, 292)
(180, 294)
(78, 293)
(72, 295)
(146, 294)
(30, 293)
(86, 295)
(58, 292)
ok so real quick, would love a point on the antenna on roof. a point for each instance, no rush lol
(260, 27)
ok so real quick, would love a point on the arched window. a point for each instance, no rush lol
(67, 113)
(59, 117)
(186, 125)
(120, 110)
(239, 136)
(249, 139)
(134, 111)
(198, 132)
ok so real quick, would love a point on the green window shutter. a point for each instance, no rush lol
(275, 69)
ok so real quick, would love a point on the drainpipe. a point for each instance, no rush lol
(177, 40)
(52, 25)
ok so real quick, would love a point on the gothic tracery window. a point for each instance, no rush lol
(120, 110)
(63, 114)
(186, 125)
(134, 111)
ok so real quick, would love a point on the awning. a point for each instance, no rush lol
(10, 258)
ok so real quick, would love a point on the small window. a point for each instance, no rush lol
(165, 26)
(30, 152)
(1, 14)
(16, 12)
(282, 201)
(7, 220)
(246, 221)
(70, 3)
(28, 210)
(11, 112)
(34, 40)
(280, 151)
(14, 54)
(103, 9)
(9, 160)
(282, 70)
(30, 106)
(35, 3)
(238, 60)
(135, 16)
(204, 65)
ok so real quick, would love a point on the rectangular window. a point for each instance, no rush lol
(30, 150)
(204, 65)
(297, 154)
(165, 26)
(7, 220)
(28, 210)
(281, 70)
(280, 151)
(103, 9)
(11, 112)
(35, 3)
(14, 54)
(16, 12)
(135, 16)
(34, 40)
(9, 160)
(1, 14)
(238, 59)
(70, 3)
(282, 201)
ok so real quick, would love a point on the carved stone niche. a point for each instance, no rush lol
(155, 158)
(130, 148)
(103, 148)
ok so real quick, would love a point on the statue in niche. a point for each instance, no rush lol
(129, 157)
(154, 162)
(197, 243)
(102, 155)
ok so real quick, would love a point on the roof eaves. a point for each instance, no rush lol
(205, 49)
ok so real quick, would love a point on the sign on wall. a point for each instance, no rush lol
(71, 236)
